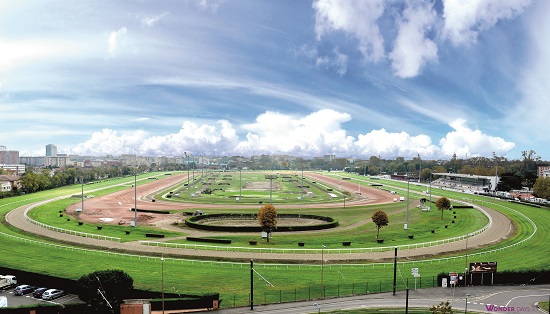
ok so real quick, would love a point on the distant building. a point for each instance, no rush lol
(17, 169)
(8, 156)
(329, 157)
(51, 150)
(544, 171)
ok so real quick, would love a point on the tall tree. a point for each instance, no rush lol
(443, 204)
(542, 187)
(380, 219)
(104, 286)
(267, 217)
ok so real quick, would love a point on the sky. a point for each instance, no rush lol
(354, 78)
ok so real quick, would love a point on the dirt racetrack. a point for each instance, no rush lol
(499, 229)
(116, 208)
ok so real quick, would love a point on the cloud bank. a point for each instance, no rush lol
(318, 133)
(414, 37)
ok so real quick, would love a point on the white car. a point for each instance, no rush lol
(51, 294)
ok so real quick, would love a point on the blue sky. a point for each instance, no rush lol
(355, 78)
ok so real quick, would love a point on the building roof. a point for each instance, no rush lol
(9, 178)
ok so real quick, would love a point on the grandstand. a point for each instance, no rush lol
(467, 183)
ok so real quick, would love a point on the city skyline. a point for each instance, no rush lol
(309, 78)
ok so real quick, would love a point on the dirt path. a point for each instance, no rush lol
(499, 229)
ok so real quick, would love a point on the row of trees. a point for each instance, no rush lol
(267, 216)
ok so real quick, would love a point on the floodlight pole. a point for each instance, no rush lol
(193, 171)
(82, 183)
(251, 284)
(188, 195)
(162, 260)
(302, 181)
(430, 189)
(270, 177)
(240, 184)
(408, 197)
(466, 266)
(135, 198)
(322, 271)
(394, 271)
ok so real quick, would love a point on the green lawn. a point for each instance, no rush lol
(290, 281)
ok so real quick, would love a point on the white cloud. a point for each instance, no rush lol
(338, 61)
(411, 49)
(211, 5)
(464, 141)
(530, 114)
(465, 18)
(116, 39)
(315, 134)
(14, 53)
(386, 144)
(355, 17)
(191, 137)
(150, 21)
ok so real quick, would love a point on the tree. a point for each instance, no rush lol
(442, 308)
(114, 285)
(443, 204)
(509, 181)
(542, 187)
(267, 217)
(380, 219)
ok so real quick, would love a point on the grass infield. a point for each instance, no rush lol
(275, 282)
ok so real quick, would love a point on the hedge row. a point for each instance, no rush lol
(209, 240)
(164, 212)
(193, 223)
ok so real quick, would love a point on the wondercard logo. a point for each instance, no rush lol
(496, 308)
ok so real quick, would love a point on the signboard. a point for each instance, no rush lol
(453, 279)
(414, 272)
(483, 267)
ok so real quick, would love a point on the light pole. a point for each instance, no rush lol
(188, 195)
(82, 182)
(202, 166)
(466, 266)
(240, 183)
(496, 171)
(466, 306)
(302, 180)
(135, 197)
(270, 177)
(408, 197)
(420, 168)
(430, 203)
(322, 270)
(162, 288)
(193, 171)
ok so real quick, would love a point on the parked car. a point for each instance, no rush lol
(51, 294)
(23, 289)
(38, 292)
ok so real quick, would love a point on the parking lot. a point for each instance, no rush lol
(28, 299)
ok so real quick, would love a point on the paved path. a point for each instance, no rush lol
(499, 229)
(481, 300)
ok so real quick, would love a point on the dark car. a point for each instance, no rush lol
(23, 289)
(38, 292)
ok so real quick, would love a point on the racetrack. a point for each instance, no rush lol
(120, 202)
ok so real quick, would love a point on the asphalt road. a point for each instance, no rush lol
(483, 299)
(28, 299)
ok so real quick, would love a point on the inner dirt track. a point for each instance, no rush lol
(117, 206)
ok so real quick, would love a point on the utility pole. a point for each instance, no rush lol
(394, 271)
(251, 284)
